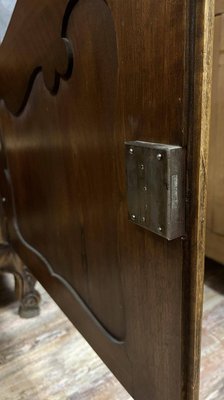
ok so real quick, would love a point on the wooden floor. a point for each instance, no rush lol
(212, 360)
(47, 359)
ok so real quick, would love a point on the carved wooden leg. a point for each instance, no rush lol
(25, 290)
(24, 282)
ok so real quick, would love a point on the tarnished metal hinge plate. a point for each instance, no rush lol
(155, 186)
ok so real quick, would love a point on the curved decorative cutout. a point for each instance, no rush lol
(74, 293)
(52, 73)
(25, 52)
(40, 260)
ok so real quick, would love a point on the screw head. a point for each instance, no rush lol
(159, 229)
(159, 156)
(131, 150)
(3, 199)
(143, 219)
(142, 167)
(145, 188)
(133, 217)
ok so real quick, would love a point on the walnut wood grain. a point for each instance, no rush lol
(139, 74)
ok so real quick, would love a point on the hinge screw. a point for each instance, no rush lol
(131, 150)
(159, 156)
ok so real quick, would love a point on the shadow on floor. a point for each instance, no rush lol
(7, 292)
(214, 275)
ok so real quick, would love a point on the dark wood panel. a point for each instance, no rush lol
(22, 58)
(125, 288)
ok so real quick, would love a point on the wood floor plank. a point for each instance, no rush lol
(212, 354)
(45, 358)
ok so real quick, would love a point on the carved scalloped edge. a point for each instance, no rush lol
(51, 82)
(51, 77)
(55, 64)
(74, 293)
(43, 262)
(11, 209)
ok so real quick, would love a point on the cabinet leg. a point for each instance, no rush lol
(24, 282)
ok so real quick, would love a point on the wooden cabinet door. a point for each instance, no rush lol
(78, 79)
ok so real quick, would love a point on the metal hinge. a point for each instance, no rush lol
(156, 187)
